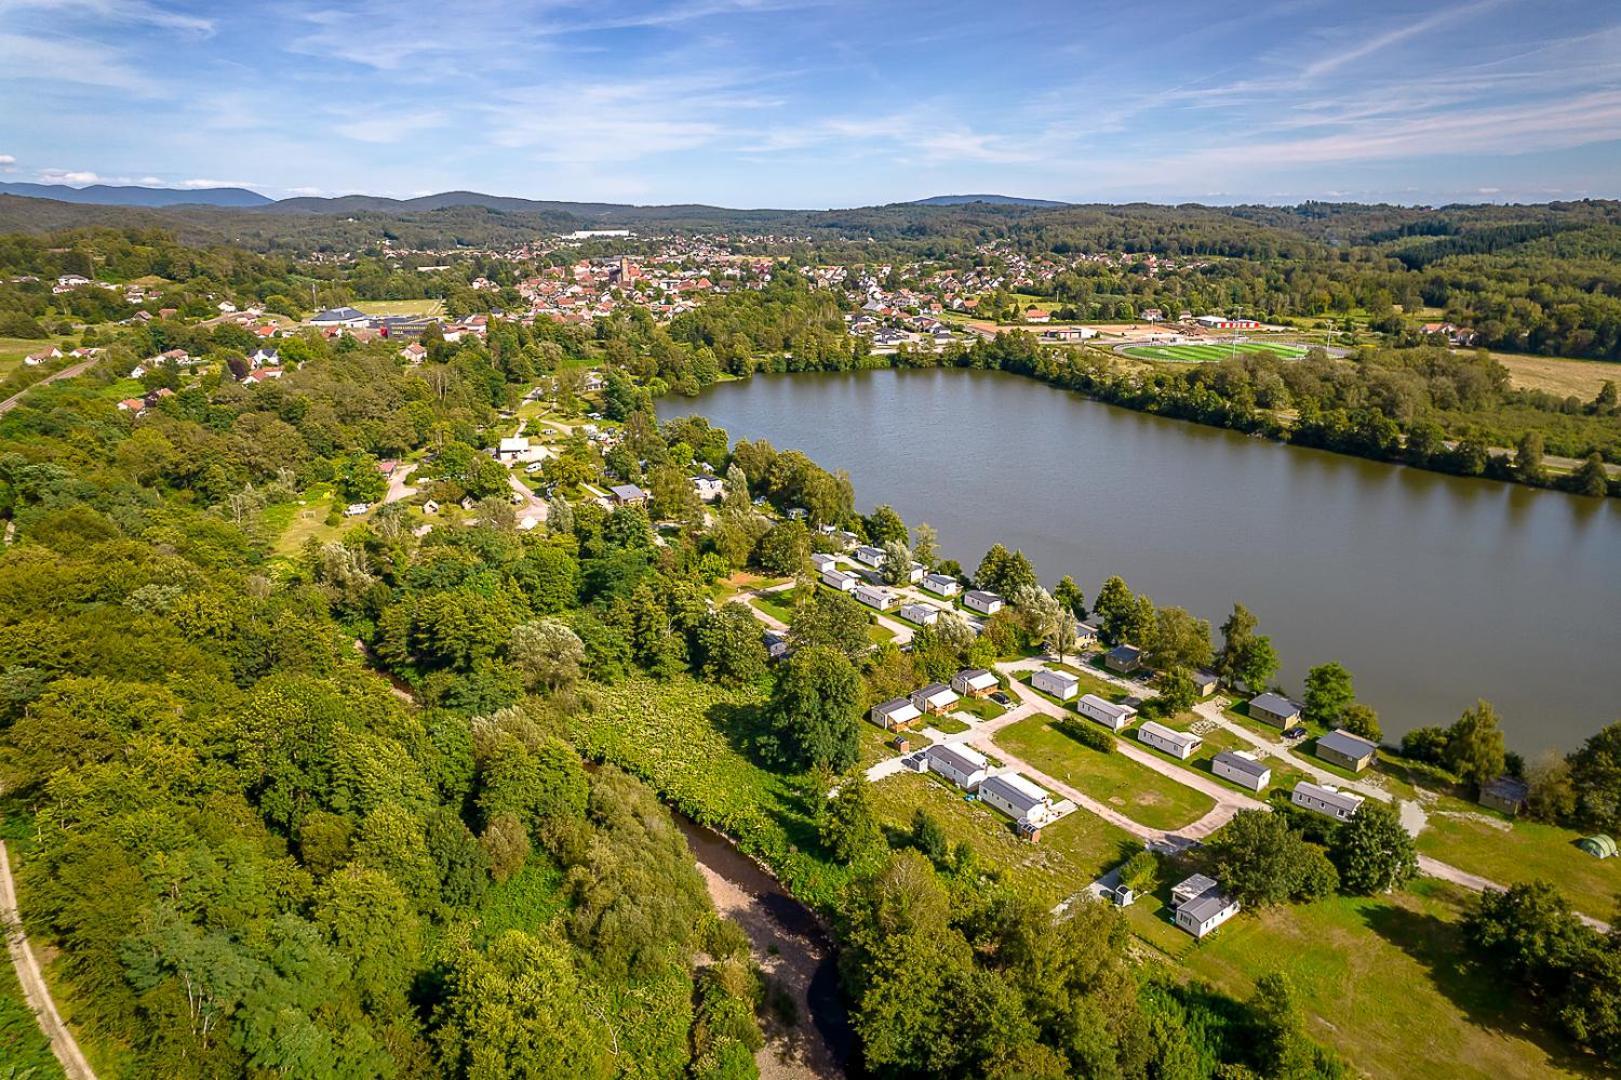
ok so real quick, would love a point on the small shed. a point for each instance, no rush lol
(1346, 750)
(1123, 659)
(1506, 794)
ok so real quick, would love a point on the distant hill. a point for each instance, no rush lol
(989, 200)
(129, 195)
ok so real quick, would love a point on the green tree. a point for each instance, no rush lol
(1528, 464)
(1595, 779)
(785, 549)
(1360, 719)
(1179, 641)
(1236, 635)
(815, 710)
(1328, 693)
(832, 619)
(846, 823)
(1372, 851)
(1115, 608)
(1259, 663)
(730, 645)
(1475, 752)
(897, 565)
(1262, 861)
(548, 653)
(1070, 595)
(1280, 1046)
(884, 525)
(1591, 477)
(926, 545)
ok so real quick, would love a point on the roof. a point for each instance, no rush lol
(894, 705)
(1276, 704)
(1107, 707)
(1343, 742)
(1015, 790)
(1061, 676)
(1170, 735)
(1205, 678)
(1206, 906)
(962, 758)
(934, 690)
(1334, 797)
(975, 674)
(1242, 762)
(1194, 885)
(1507, 788)
(939, 579)
(1125, 652)
(982, 596)
(515, 443)
(628, 491)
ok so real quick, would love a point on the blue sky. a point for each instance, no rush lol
(821, 103)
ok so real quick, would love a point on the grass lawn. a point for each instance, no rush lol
(1135, 790)
(1525, 851)
(1071, 854)
(1208, 353)
(399, 307)
(1086, 683)
(1284, 776)
(949, 725)
(983, 708)
(779, 606)
(1383, 982)
(297, 522)
(1583, 378)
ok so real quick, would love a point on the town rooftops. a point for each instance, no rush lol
(1241, 761)
(1016, 790)
(1343, 742)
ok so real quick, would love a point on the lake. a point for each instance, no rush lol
(1433, 590)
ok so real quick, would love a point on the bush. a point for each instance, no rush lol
(1093, 738)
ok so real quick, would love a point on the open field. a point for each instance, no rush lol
(1556, 375)
(1206, 353)
(13, 349)
(1071, 854)
(399, 307)
(1131, 788)
(1351, 959)
(1485, 844)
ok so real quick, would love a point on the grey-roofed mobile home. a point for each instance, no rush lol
(1242, 768)
(1346, 750)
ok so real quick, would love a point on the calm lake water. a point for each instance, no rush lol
(1431, 589)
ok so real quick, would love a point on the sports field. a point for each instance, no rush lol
(1205, 353)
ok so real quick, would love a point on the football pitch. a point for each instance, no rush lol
(1206, 353)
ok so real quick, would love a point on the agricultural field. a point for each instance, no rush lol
(1349, 958)
(1556, 375)
(1205, 353)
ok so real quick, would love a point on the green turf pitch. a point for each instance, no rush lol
(1207, 353)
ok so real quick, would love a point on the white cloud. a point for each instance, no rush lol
(194, 185)
(28, 58)
(67, 176)
(104, 11)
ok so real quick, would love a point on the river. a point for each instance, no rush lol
(1433, 590)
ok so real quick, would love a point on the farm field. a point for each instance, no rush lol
(1556, 375)
(1209, 353)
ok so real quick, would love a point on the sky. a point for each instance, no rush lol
(821, 103)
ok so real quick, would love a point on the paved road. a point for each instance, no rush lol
(66, 373)
(37, 993)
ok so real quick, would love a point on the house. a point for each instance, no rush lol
(1123, 659)
(264, 357)
(838, 579)
(132, 405)
(415, 352)
(1060, 684)
(1326, 800)
(263, 375)
(1112, 716)
(44, 356)
(516, 449)
(962, 765)
(872, 556)
(915, 572)
(1200, 906)
(1346, 750)
(1242, 768)
(709, 488)
(1204, 683)
(1506, 794)
(1179, 744)
(935, 698)
(974, 682)
(1037, 315)
(1017, 797)
(1222, 322)
(821, 561)
(628, 495)
(875, 597)
(986, 603)
(356, 509)
(895, 713)
(1275, 709)
(941, 584)
(776, 644)
(922, 614)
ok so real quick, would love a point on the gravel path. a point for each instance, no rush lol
(32, 979)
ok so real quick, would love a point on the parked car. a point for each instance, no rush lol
(1001, 699)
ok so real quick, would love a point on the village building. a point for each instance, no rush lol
(1326, 800)
(1275, 709)
(1346, 750)
(1200, 905)
(1506, 794)
(962, 765)
(974, 682)
(1242, 768)
(708, 488)
(935, 698)
(1060, 684)
(986, 603)
(627, 495)
(1179, 744)
(875, 597)
(1123, 659)
(835, 578)
(872, 556)
(1112, 716)
(922, 614)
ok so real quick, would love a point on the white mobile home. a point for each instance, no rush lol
(986, 603)
(1112, 716)
(872, 556)
(1326, 800)
(1019, 798)
(1201, 906)
(874, 597)
(1242, 768)
(1179, 744)
(942, 584)
(1060, 684)
(962, 765)
(838, 579)
(822, 561)
(922, 614)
